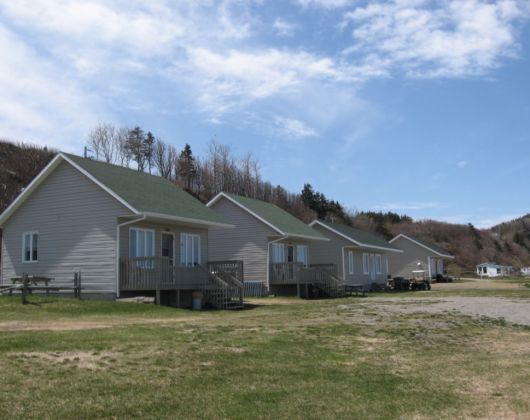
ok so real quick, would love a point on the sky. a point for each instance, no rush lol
(421, 107)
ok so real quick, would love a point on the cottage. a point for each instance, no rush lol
(127, 232)
(525, 271)
(493, 270)
(417, 255)
(361, 257)
(273, 245)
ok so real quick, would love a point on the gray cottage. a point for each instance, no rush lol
(127, 232)
(417, 255)
(273, 245)
(361, 257)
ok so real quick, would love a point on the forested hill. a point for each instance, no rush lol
(220, 170)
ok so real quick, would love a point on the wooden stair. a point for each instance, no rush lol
(224, 289)
(331, 285)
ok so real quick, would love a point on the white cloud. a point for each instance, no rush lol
(461, 164)
(283, 27)
(429, 38)
(325, 4)
(294, 128)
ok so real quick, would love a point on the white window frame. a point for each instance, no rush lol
(378, 268)
(306, 254)
(162, 244)
(278, 254)
(152, 242)
(31, 234)
(183, 242)
(350, 263)
(366, 263)
(386, 263)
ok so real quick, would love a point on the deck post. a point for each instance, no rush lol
(298, 288)
(178, 298)
(157, 298)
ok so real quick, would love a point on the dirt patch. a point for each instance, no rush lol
(510, 310)
(80, 359)
(86, 325)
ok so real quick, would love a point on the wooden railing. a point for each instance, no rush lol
(229, 271)
(156, 273)
(285, 273)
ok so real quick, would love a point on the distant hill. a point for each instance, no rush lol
(506, 243)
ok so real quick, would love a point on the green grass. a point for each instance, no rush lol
(320, 359)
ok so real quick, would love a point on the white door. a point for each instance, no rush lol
(372, 267)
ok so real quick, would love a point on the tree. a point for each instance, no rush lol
(164, 157)
(148, 149)
(186, 166)
(135, 145)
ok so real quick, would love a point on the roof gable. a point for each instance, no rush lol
(141, 193)
(276, 218)
(431, 247)
(358, 237)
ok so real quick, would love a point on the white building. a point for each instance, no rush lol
(493, 270)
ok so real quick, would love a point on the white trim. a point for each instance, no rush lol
(162, 233)
(151, 215)
(102, 186)
(366, 267)
(26, 192)
(30, 233)
(351, 270)
(401, 235)
(261, 219)
(360, 244)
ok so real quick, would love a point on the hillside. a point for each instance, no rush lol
(506, 243)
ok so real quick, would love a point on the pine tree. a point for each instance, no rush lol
(148, 149)
(135, 145)
(186, 166)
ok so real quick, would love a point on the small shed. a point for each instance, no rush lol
(488, 269)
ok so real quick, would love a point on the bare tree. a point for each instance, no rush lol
(164, 157)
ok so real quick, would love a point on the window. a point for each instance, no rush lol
(301, 254)
(190, 245)
(350, 262)
(366, 263)
(30, 247)
(141, 242)
(168, 241)
(278, 253)
(378, 264)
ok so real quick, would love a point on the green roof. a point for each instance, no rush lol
(360, 236)
(435, 248)
(147, 193)
(275, 216)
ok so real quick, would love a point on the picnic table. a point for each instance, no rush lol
(355, 289)
(26, 284)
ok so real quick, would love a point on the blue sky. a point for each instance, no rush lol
(415, 106)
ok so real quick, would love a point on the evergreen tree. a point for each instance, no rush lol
(148, 149)
(186, 166)
(135, 145)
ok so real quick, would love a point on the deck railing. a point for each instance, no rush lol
(157, 273)
(285, 273)
(230, 271)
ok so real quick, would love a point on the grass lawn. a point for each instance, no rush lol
(282, 358)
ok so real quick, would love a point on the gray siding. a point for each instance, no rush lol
(332, 252)
(76, 221)
(160, 228)
(402, 264)
(247, 241)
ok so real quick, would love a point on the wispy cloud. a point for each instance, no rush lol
(428, 38)
(461, 164)
(283, 27)
(293, 128)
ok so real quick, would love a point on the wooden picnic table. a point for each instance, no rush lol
(27, 283)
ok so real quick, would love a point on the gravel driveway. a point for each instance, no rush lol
(513, 310)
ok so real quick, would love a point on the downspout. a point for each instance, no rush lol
(118, 227)
(344, 264)
(268, 256)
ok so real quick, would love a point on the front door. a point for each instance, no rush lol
(168, 246)
(290, 253)
(372, 267)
